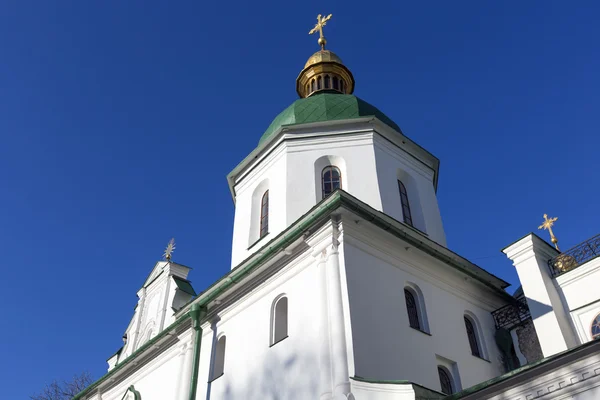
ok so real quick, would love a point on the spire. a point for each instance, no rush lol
(324, 70)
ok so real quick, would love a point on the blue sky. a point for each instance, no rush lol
(120, 120)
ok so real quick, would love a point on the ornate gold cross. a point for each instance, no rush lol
(547, 225)
(169, 250)
(321, 22)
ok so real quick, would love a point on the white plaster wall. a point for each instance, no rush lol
(253, 368)
(156, 380)
(385, 346)
(359, 177)
(579, 287)
(393, 164)
(272, 169)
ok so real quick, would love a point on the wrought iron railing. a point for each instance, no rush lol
(511, 314)
(575, 256)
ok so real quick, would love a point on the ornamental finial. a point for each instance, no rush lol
(321, 22)
(169, 250)
(547, 225)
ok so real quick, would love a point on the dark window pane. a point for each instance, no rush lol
(330, 180)
(312, 85)
(319, 83)
(404, 202)
(264, 214)
(472, 337)
(445, 381)
(411, 308)
(327, 81)
(335, 83)
(596, 327)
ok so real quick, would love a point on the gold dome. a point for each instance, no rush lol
(323, 56)
(324, 71)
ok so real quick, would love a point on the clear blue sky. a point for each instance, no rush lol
(120, 120)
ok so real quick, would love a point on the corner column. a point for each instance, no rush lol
(550, 317)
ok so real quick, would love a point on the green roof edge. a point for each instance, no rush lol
(335, 200)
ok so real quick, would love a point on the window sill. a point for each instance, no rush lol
(258, 241)
(481, 358)
(216, 377)
(279, 341)
(422, 331)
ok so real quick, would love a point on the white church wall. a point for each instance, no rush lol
(269, 174)
(352, 153)
(155, 380)
(394, 164)
(385, 346)
(254, 369)
(579, 286)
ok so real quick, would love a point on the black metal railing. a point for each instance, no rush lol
(575, 256)
(511, 314)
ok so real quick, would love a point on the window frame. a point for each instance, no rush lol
(219, 358)
(405, 204)
(330, 168)
(413, 317)
(264, 215)
(275, 336)
(443, 371)
(595, 325)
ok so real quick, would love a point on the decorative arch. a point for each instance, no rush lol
(415, 307)
(474, 335)
(279, 319)
(320, 164)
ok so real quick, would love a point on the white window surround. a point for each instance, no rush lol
(483, 353)
(421, 309)
(218, 367)
(452, 369)
(279, 319)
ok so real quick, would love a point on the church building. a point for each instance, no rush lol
(342, 287)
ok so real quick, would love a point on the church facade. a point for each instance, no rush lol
(342, 287)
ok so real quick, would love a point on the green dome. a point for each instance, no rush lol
(325, 107)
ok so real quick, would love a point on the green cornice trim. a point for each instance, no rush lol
(585, 349)
(318, 213)
(321, 211)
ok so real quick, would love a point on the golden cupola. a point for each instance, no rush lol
(324, 70)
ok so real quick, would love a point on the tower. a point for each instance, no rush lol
(327, 139)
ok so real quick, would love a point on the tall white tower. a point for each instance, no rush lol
(330, 135)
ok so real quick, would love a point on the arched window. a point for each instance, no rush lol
(596, 327)
(279, 320)
(335, 83)
(219, 361)
(318, 83)
(327, 80)
(342, 86)
(413, 309)
(331, 179)
(405, 206)
(312, 85)
(264, 214)
(472, 335)
(445, 380)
